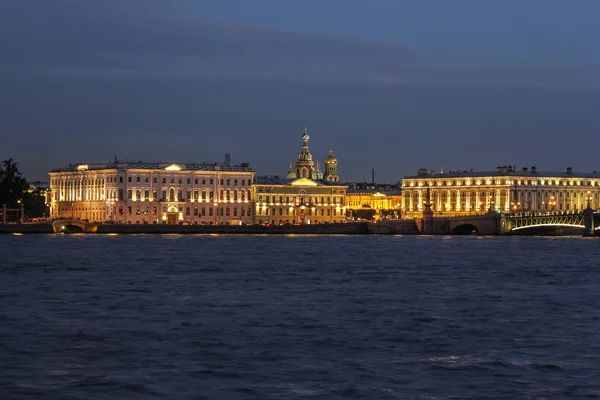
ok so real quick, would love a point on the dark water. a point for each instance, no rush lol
(232, 317)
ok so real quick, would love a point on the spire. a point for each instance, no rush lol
(318, 172)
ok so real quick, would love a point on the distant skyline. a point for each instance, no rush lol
(395, 85)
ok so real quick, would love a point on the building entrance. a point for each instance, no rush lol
(171, 218)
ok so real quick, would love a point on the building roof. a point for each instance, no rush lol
(481, 174)
(387, 192)
(243, 167)
(277, 180)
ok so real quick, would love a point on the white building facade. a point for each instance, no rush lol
(505, 190)
(149, 193)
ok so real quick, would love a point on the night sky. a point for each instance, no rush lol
(389, 84)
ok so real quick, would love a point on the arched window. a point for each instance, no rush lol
(243, 195)
(235, 195)
(228, 195)
(171, 194)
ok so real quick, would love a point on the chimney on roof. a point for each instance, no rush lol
(533, 170)
(524, 169)
(569, 170)
(228, 160)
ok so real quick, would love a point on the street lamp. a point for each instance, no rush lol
(552, 203)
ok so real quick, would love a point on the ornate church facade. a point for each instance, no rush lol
(305, 166)
(305, 196)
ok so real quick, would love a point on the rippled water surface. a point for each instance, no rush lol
(298, 317)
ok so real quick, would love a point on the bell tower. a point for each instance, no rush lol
(305, 166)
(331, 168)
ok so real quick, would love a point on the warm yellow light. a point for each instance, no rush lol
(173, 167)
(82, 167)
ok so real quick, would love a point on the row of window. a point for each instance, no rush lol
(189, 181)
(197, 195)
(507, 182)
(286, 211)
(524, 194)
(302, 199)
(80, 182)
(197, 211)
(113, 179)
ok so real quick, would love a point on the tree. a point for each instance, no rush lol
(13, 185)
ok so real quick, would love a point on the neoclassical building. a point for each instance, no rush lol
(138, 193)
(373, 201)
(305, 196)
(504, 190)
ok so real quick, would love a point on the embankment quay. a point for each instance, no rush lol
(492, 223)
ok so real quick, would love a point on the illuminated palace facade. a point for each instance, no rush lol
(305, 196)
(373, 201)
(505, 190)
(139, 193)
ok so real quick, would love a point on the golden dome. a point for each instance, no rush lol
(330, 159)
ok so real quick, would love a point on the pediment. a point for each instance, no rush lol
(304, 182)
(173, 167)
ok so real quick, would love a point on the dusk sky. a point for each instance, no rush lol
(389, 84)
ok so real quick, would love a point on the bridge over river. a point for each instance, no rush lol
(493, 223)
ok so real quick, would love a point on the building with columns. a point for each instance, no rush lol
(373, 201)
(304, 196)
(141, 193)
(505, 190)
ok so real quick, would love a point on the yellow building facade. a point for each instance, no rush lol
(382, 204)
(504, 190)
(305, 196)
(298, 201)
(141, 193)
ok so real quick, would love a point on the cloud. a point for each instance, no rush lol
(128, 41)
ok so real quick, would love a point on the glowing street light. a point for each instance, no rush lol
(552, 202)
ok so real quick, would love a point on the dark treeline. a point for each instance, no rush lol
(15, 190)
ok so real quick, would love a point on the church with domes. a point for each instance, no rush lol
(305, 166)
(305, 196)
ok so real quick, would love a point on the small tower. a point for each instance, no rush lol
(305, 166)
(331, 168)
(291, 174)
(427, 214)
(318, 173)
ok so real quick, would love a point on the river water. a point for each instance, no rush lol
(299, 317)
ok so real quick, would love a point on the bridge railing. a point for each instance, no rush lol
(551, 219)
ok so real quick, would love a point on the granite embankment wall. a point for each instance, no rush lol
(394, 227)
(26, 228)
(359, 228)
(321, 229)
